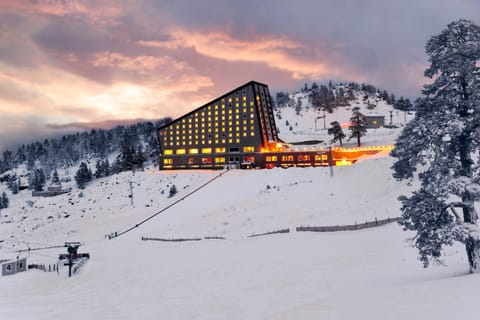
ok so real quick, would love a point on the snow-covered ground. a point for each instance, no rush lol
(367, 274)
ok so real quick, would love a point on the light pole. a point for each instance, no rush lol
(330, 160)
(321, 117)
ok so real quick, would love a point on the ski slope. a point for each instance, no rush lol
(366, 274)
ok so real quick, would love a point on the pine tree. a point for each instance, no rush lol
(55, 178)
(38, 180)
(99, 167)
(106, 168)
(83, 175)
(357, 125)
(443, 140)
(336, 131)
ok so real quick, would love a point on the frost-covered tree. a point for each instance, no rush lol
(83, 175)
(357, 125)
(38, 179)
(440, 147)
(55, 177)
(336, 131)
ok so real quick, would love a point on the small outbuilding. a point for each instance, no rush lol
(10, 267)
(374, 121)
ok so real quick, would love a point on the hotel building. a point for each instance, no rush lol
(236, 129)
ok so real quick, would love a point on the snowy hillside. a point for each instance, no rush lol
(299, 120)
(365, 274)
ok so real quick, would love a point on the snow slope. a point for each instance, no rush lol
(367, 274)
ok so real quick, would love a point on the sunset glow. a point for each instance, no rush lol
(66, 65)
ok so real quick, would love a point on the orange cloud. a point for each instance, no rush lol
(106, 11)
(141, 64)
(273, 52)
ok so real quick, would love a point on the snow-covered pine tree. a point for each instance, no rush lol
(440, 146)
(83, 175)
(357, 125)
(55, 178)
(39, 179)
(336, 131)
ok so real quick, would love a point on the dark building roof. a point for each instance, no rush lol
(212, 101)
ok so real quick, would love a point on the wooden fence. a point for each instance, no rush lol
(270, 232)
(348, 227)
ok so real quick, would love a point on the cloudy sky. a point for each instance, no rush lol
(74, 64)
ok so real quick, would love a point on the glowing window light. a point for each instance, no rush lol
(167, 161)
(193, 151)
(206, 150)
(168, 151)
(180, 151)
(248, 149)
(343, 163)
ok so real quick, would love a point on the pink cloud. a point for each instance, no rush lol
(276, 52)
(106, 124)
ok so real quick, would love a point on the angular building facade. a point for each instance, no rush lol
(230, 130)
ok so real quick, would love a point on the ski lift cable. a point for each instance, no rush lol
(23, 241)
(115, 235)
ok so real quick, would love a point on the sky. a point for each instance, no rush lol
(71, 65)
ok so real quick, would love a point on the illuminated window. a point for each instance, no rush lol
(287, 158)
(220, 150)
(180, 151)
(237, 140)
(167, 161)
(272, 158)
(193, 151)
(252, 133)
(207, 160)
(206, 150)
(168, 151)
(248, 149)
(220, 160)
(303, 158)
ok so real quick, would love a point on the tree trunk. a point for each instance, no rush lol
(358, 140)
(472, 245)
(473, 253)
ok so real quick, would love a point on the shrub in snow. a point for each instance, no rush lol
(173, 191)
(4, 201)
